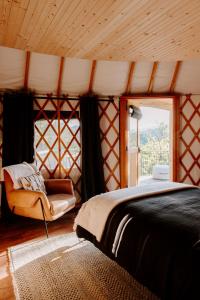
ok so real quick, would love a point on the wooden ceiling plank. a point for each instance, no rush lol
(52, 30)
(128, 26)
(91, 23)
(28, 23)
(41, 13)
(115, 17)
(1, 21)
(153, 73)
(149, 40)
(44, 21)
(92, 75)
(168, 30)
(109, 13)
(77, 23)
(5, 13)
(27, 65)
(55, 33)
(130, 76)
(187, 41)
(157, 21)
(173, 29)
(17, 15)
(175, 76)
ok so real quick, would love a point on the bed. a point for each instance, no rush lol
(153, 232)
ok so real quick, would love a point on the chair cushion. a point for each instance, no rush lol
(34, 182)
(61, 202)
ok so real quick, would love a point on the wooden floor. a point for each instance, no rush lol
(21, 231)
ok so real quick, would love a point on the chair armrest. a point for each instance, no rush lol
(59, 186)
(24, 198)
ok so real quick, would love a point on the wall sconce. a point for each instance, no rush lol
(134, 112)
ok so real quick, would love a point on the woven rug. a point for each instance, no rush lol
(66, 267)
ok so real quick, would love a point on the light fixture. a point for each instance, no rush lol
(134, 112)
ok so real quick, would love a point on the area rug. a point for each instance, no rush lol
(65, 267)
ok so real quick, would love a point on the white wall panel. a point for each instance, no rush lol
(141, 77)
(43, 73)
(12, 67)
(163, 77)
(188, 80)
(76, 76)
(110, 77)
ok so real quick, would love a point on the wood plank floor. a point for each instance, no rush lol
(21, 231)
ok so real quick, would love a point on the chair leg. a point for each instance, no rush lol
(45, 222)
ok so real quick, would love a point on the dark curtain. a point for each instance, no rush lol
(92, 179)
(18, 132)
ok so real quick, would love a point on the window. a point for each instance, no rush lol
(57, 142)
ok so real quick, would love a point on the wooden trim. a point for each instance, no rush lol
(175, 135)
(176, 138)
(175, 76)
(94, 63)
(59, 145)
(153, 73)
(27, 65)
(123, 133)
(150, 96)
(130, 76)
(62, 60)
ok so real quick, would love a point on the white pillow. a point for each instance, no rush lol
(34, 182)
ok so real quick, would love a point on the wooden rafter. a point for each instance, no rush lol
(62, 60)
(130, 76)
(123, 130)
(94, 63)
(153, 73)
(27, 65)
(58, 110)
(175, 76)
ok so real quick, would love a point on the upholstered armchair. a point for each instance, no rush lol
(59, 199)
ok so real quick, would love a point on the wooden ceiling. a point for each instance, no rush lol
(128, 30)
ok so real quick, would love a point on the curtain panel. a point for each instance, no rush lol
(18, 132)
(92, 179)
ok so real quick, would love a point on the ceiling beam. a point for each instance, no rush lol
(130, 76)
(62, 60)
(27, 65)
(92, 74)
(153, 73)
(175, 76)
(60, 75)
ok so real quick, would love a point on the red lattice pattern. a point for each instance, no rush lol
(57, 140)
(59, 156)
(109, 126)
(190, 141)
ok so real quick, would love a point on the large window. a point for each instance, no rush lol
(57, 141)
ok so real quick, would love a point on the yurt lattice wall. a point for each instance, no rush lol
(190, 140)
(57, 139)
(56, 75)
(57, 143)
(109, 126)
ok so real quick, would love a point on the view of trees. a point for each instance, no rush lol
(154, 147)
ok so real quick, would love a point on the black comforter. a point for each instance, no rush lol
(158, 242)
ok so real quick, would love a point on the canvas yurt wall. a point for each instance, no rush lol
(51, 75)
